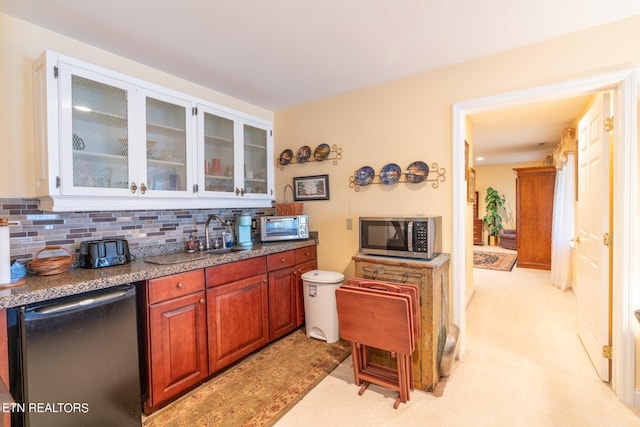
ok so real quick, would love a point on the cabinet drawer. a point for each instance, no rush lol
(281, 260)
(176, 285)
(399, 274)
(305, 254)
(225, 273)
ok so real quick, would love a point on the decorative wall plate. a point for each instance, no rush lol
(417, 172)
(364, 176)
(286, 156)
(321, 152)
(390, 173)
(304, 153)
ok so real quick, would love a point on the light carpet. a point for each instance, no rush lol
(523, 366)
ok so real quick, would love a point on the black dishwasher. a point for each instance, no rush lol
(74, 361)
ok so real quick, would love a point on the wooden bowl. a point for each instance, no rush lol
(51, 265)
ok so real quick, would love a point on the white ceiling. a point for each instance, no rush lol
(281, 53)
(525, 133)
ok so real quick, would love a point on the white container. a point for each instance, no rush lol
(320, 312)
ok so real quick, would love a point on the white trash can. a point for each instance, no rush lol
(320, 312)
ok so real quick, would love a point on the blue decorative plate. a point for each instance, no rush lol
(285, 157)
(364, 176)
(303, 154)
(390, 173)
(417, 172)
(321, 152)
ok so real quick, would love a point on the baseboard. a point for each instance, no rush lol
(469, 296)
(636, 398)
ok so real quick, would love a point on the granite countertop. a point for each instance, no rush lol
(79, 280)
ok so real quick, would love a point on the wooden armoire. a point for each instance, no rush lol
(477, 224)
(535, 188)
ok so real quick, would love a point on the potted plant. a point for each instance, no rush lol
(492, 219)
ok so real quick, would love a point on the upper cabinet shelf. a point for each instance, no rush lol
(102, 118)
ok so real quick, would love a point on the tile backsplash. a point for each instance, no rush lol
(142, 229)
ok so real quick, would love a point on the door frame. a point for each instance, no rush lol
(625, 198)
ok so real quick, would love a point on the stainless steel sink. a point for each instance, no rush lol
(180, 257)
(217, 251)
(224, 250)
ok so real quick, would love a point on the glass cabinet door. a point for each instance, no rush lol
(255, 160)
(97, 142)
(167, 146)
(218, 152)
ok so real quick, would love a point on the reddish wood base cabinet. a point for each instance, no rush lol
(176, 341)
(202, 321)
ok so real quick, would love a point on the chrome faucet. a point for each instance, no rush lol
(207, 240)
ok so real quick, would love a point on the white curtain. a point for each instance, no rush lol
(563, 211)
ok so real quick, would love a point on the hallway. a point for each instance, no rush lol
(524, 366)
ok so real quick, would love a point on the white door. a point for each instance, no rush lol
(592, 222)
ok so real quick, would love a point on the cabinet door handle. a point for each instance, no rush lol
(180, 285)
(143, 188)
(242, 191)
(237, 191)
(134, 187)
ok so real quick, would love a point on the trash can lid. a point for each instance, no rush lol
(323, 276)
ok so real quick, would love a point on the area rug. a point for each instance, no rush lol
(494, 260)
(259, 390)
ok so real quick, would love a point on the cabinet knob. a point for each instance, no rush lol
(180, 285)
(134, 187)
(282, 260)
(237, 191)
(143, 188)
(202, 300)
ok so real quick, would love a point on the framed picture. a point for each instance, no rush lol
(466, 161)
(311, 188)
(471, 186)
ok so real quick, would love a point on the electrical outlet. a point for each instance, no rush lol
(349, 224)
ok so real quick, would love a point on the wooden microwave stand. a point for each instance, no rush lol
(430, 277)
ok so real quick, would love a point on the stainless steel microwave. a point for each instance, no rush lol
(401, 237)
(277, 228)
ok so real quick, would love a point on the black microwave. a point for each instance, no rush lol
(401, 237)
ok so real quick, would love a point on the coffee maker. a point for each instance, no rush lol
(243, 231)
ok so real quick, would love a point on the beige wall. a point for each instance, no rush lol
(411, 120)
(20, 44)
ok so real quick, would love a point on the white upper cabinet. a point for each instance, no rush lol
(105, 141)
(233, 157)
(168, 151)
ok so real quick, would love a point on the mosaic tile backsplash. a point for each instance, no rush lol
(146, 231)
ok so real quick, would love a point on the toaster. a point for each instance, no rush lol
(104, 253)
